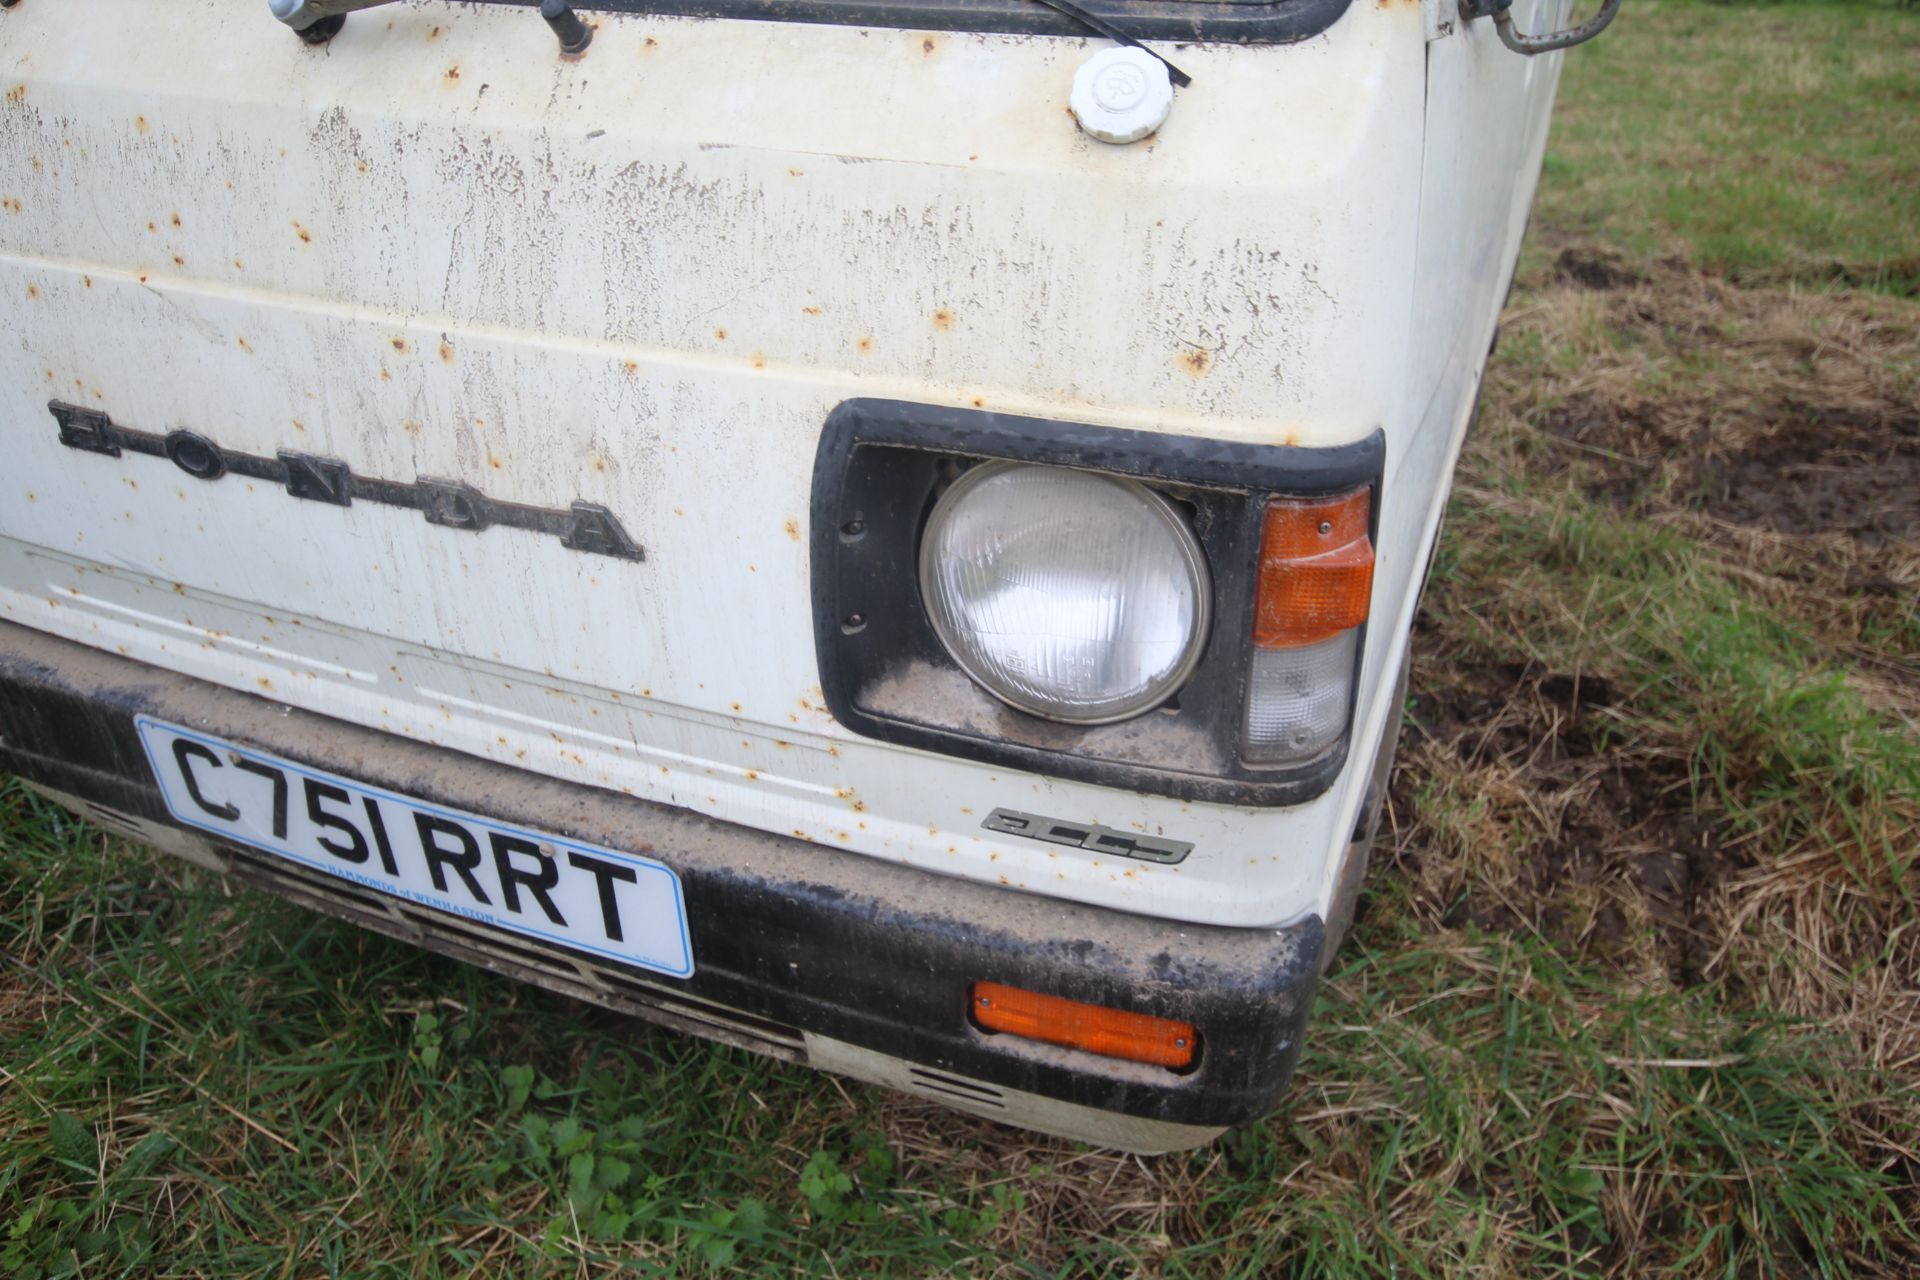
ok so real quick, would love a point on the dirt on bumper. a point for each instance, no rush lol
(789, 937)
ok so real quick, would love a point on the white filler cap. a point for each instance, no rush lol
(1121, 94)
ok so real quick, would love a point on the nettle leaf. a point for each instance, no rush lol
(567, 1135)
(519, 1082)
(750, 1221)
(539, 1136)
(609, 1225)
(1583, 1183)
(614, 1172)
(580, 1172)
(73, 1143)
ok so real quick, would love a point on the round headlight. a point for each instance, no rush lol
(1073, 596)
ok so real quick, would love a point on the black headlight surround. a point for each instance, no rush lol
(885, 674)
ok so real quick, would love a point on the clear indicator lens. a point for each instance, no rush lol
(1066, 594)
(1297, 700)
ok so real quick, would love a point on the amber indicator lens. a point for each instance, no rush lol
(1316, 569)
(1111, 1033)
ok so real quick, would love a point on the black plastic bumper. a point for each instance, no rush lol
(815, 939)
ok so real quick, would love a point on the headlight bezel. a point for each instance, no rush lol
(885, 674)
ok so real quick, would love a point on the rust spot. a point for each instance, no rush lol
(720, 335)
(433, 33)
(361, 165)
(400, 345)
(796, 173)
(179, 588)
(753, 775)
(979, 402)
(927, 46)
(865, 345)
(650, 43)
(793, 529)
(153, 227)
(859, 806)
(384, 375)
(759, 360)
(631, 366)
(87, 281)
(299, 426)
(1196, 361)
(453, 75)
(174, 219)
(11, 205)
(734, 705)
(142, 277)
(446, 352)
(943, 319)
(599, 464)
(33, 291)
(17, 94)
(495, 463)
(239, 265)
(306, 236)
(264, 683)
(244, 344)
(179, 261)
(140, 123)
(809, 311)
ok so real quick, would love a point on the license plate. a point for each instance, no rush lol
(595, 900)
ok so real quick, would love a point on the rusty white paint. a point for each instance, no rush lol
(642, 279)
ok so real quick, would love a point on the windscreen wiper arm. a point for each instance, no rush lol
(1101, 26)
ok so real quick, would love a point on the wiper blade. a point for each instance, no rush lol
(1096, 23)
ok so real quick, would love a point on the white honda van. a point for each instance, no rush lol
(880, 531)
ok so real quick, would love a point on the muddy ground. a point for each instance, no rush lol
(1778, 429)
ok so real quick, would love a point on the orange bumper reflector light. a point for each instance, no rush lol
(1316, 569)
(1112, 1033)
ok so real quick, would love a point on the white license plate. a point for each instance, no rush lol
(595, 900)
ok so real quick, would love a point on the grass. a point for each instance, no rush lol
(1795, 157)
(1635, 988)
